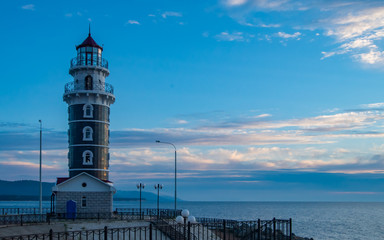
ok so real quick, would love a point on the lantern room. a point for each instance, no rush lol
(89, 53)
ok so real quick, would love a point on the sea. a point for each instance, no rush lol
(317, 220)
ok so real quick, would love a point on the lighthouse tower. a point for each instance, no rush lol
(89, 97)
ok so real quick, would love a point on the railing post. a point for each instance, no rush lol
(21, 219)
(150, 231)
(189, 230)
(258, 229)
(274, 228)
(290, 229)
(105, 233)
(50, 234)
(224, 230)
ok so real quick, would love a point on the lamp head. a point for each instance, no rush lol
(179, 219)
(185, 213)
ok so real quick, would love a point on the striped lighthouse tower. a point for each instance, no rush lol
(89, 97)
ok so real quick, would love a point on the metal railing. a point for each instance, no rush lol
(162, 229)
(22, 219)
(16, 211)
(157, 225)
(103, 87)
(98, 62)
(149, 212)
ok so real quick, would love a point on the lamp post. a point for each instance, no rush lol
(158, 187)
(158, 141)
(183, 220)
(41, 185)
(140, 186)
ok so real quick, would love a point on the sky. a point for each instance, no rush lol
(265, 100)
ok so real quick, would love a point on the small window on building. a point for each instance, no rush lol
(87, 157)
(88, 111)
(87, 134)
(83, 202)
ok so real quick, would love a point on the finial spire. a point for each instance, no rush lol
(89, 34)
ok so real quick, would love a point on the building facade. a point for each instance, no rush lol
(89, 99)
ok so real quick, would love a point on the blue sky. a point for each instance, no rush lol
(264, 99)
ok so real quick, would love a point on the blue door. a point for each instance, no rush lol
(71, 209)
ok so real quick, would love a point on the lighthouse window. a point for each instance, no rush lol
(88, 111)
(87, 134)
(87, 157)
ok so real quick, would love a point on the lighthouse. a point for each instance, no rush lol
(89, 97)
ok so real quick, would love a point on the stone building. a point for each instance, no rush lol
(87, 189)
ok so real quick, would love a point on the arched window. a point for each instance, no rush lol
(88, 111)
(87, 157)
(83, 201)
(87, 134)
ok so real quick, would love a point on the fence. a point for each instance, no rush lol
(13, 211)
(169, 230)
(157, 225)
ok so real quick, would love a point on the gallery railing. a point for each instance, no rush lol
(103, 87)
(99, 62)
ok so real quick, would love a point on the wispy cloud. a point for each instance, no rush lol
(284, 35)
(257, 141)
(356, 26)
(30, 7)
(171, 14)
(233, 37)
(132, 22)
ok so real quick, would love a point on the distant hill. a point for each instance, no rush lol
(135, 195)
(28, 190)
(24, 190)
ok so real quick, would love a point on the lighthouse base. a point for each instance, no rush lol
(84, 196)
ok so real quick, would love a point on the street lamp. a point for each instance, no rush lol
(158, 187)
(41, 185)
(158, 141)
(140, 186)
(183, 219)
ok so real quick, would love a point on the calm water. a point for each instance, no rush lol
(339, 221)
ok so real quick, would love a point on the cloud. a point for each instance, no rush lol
(132, 22)
(356, 26)
(235, 2)
(373, 105)
(68, 15)
(233, 37)
(30, 7)
(295, 35)
(253, 141)
(171, 14)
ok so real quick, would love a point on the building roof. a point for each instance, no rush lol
(75, 184)
(89, 42)
(63, 179)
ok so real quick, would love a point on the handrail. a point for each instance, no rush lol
(103, 87)
(100, 62)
